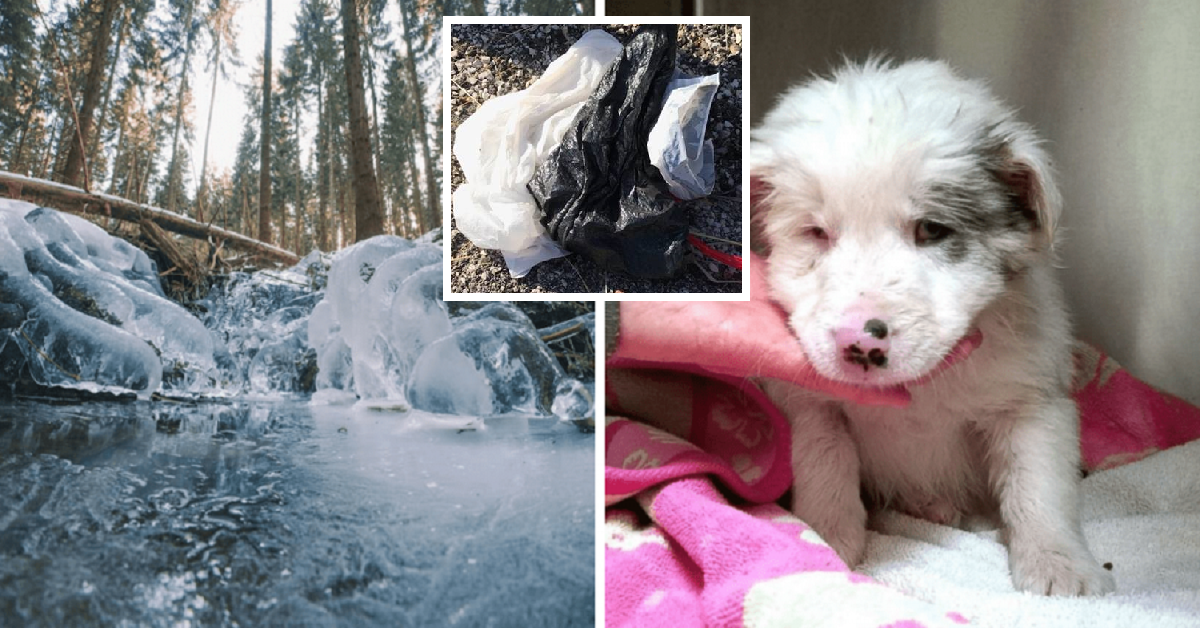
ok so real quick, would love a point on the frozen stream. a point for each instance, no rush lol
(287, 513)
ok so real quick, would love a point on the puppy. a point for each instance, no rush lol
(906, 213)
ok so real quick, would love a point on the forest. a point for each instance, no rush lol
(341, 137)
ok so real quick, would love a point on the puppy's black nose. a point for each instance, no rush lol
(876, 328)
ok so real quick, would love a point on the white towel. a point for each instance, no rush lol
(1144, 518)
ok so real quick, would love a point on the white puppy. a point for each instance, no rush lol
(902, 210)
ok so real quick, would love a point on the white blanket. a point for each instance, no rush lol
(1144, 518)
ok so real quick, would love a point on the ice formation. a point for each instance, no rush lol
(86, 310)
(493, 363)
(384, 336)
(82, 309)
(261, 322)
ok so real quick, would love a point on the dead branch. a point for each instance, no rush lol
(76, 200)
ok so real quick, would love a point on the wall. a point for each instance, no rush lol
(1114, 86)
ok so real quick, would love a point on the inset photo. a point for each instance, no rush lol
(595, 158)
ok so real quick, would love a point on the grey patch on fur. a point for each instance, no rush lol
(977, 210)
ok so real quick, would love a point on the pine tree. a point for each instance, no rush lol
(187, 32)
(241, 207)
(429, 213)
(291, 100)
(398, 158)
(142, 102)
(314, 37)
(95, 160)
(19, 77)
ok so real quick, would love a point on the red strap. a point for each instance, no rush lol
(724, 258)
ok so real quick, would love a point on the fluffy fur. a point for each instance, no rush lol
(908, 196)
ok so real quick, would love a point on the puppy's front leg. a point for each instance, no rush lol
(825, 471)
(1035, 466)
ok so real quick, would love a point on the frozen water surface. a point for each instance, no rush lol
(286, 513)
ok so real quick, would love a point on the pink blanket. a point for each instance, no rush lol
(694, 536)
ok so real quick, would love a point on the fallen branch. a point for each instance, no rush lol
(76, 200)
(555, 335)
(182, 261)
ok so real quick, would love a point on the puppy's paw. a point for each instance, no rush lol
(1052, 572)
(847, 539)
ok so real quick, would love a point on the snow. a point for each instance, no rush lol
(83, 310)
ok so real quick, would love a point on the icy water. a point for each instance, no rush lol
(281, 513)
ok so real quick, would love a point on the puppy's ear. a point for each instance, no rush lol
(1025, 168)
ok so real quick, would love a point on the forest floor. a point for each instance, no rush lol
(491, 60)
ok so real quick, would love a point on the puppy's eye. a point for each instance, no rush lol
(816, 233)
(930, 232)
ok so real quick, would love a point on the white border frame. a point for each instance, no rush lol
(450, 22)
(600, 411)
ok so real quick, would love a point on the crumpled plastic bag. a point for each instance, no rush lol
(500, 145)
(676, 144)
(598, 193)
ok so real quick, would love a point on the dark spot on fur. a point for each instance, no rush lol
(855, 355)
(877, 357)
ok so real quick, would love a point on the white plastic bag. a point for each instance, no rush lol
(501, 144)
(676, 144)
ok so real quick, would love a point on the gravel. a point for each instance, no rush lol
(491, 60)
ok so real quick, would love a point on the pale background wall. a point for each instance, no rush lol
(1114, 85)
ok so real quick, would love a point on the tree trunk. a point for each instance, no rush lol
(112, 72)
(368, 218)
(418, 100)
(419, 203)
(322, 170)
(202, 195)
(121, 121)
(91, 94)
(264, 138)
(18, 156)
(299, 175)
(173, 175)
(377, 146)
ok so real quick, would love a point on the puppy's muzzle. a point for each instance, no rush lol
(862, 339)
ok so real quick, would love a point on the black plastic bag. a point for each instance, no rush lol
(597, 193)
